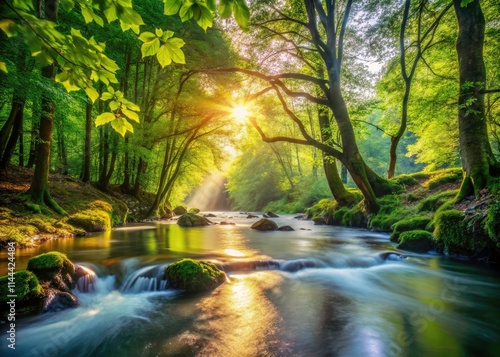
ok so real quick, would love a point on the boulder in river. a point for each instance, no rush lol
(416, 241)
(194, 276)
(264, 224)
(272, 215)
(192, 220)
(29, 295)
(210, 215)
(227, 223)
(194, 210)
(319, 221)
(285, 228)
(252, 216)
(180, 210)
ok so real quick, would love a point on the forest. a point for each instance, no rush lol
(250, 177)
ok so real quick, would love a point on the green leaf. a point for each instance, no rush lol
(147, 36)
(3, 67)
(172, 6)
(241, 13)
(113, 105)
(211, 5)
(67, 5)
(110, 12)
(174, 47)
(92, 93)
(9, 27)
(122, 126)
(131, 115)
(104, 118)
(163, 56)
(186, 11)
(202, 15)
(106, 96)
(88, 14)
(225, 8)
(98, 20)
(150, 48)
(166, 35)
(159, 32)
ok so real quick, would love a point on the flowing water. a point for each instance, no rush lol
(327, 291)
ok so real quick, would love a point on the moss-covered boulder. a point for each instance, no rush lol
(265, 224)
(194, 210)
(410, 224)
(29, 294)
(55, 269)
(192, 220)
(180, 210)
(92, 220)
(416, 241)
(286, 228)
(194, 276)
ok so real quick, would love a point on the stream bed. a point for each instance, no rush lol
(321, 291)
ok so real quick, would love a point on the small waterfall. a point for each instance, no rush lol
(87, 282)
(148, 278)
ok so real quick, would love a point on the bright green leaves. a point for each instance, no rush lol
(202, 11)
(112, 11)
(163, 45)
(172, 6)
(9, 27)
(121, 110)
(464, 3)
(3, 67)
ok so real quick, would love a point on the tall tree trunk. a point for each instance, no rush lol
(21, 144)
(88, 141)
(61, 148)
(39, 191)
(478, 161)
(14, 135)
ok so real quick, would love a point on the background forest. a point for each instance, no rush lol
(400, 83)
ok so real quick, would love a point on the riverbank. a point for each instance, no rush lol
(89, 210)
(424, 216)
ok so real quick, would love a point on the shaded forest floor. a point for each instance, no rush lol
(89, 209)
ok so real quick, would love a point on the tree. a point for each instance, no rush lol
(478, 162)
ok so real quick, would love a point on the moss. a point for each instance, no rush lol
(29, 294)
(433, 202)
(194, 210)
(409, 224)
(194, 276)
(405, 180)
(416, 241)
(91, 220)
(321, 209)
(338, 216)
(420, 176)
(492, 222)
(459, 236)
(180, 210)
(50, 260)
(355, 217)
(192, 220)
(265, 224)
(440, 178)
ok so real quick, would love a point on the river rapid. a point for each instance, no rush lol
(321, 291)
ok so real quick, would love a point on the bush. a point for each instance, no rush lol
(433, 202)
(416, 240)
(410, 224)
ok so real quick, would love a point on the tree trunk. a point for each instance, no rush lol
(11, 130)
(88, 142)
(38, 191)
(21, 144)
(478, 161)
(14, 137)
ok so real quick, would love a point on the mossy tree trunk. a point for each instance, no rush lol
(478, 161)
(38, 193)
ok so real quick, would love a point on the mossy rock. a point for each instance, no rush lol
(194, 276)
(410, 224)
(338, 216)
(192, 220)
(355, 217)
(194, 210)
(53, 267)
(416, 241)
(265, 224)
(91, 220)
(29, 294)
(180, 210)
(492, 223)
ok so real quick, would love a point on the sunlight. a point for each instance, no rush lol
(234, 253)
(240, 112)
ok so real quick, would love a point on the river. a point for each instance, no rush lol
(328, 293)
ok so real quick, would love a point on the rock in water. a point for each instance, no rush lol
(55, 269)
(194, 276)
(29, 295)
(180, 210)
(252, 216)
(272, 215)
(192, 220)
(319, 221)
(210, 215)
(194, 210)
(227, 223)
(285, 228)
(264, 224)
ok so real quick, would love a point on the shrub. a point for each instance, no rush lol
(410, 224)
(416, 240)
